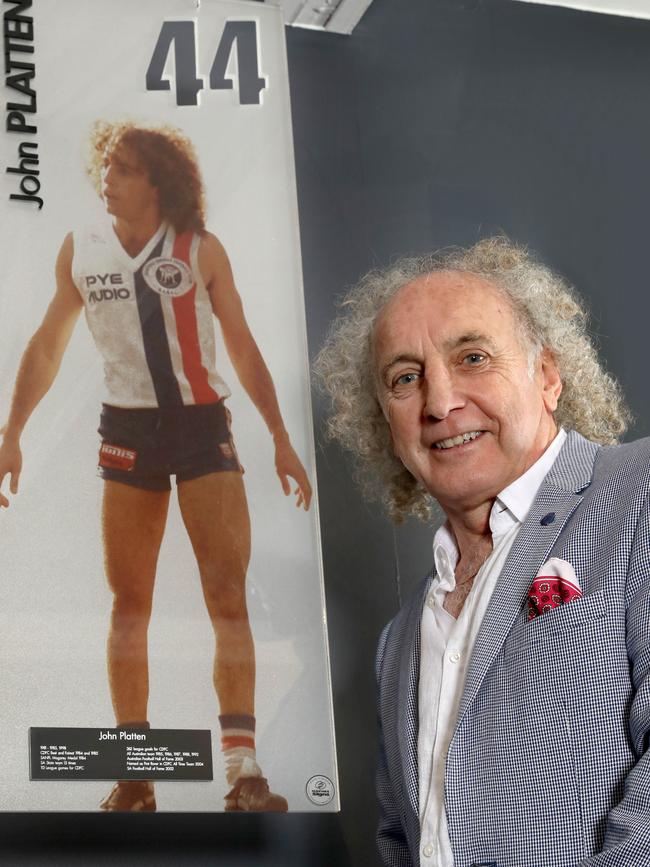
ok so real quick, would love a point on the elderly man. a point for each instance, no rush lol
(514, 688)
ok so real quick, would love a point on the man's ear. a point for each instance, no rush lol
(551, 380)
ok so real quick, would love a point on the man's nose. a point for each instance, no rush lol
(442, 394)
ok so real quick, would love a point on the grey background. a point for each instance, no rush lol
(437, 122)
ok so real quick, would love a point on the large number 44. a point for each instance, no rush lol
(182, 36)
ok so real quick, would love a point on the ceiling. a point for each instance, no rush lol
(342, 16)
(335, 16)
(629, 8)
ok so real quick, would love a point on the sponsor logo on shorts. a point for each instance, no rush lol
(169, 277)
(320, 790)
(227, 450)
(116, 457)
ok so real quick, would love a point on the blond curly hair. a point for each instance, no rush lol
(551, 316)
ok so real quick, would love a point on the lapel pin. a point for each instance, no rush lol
(547, 519)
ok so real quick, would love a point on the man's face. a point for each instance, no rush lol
(126, 188)
(449, 362)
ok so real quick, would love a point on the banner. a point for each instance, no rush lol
(152, 288)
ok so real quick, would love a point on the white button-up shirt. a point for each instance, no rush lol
(446, 645)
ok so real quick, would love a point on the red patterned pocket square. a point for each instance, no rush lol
(555, 584)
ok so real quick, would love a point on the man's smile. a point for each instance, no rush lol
(456, 441)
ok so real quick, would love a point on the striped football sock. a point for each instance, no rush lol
(238, 746)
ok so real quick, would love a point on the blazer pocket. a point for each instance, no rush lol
(561, 619)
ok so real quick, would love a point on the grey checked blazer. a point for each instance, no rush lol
(549, 763)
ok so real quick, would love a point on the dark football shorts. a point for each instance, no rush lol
(144, 447)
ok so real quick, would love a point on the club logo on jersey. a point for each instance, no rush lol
(169, 277)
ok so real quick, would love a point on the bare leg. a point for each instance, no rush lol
(133, 521)
(215, 513)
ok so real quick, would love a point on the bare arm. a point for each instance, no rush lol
(40, 364)
(248, 362)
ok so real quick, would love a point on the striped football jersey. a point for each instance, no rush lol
(151, 318)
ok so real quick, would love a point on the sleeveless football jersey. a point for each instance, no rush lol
(151, 318)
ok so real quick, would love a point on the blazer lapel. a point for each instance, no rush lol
(559, 494)
(408, 710)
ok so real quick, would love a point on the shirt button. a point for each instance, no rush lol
(428, 850)
(454, 657)
(431, 602)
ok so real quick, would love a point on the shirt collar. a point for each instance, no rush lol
(510, 507)
(519, 496)
(445, 556)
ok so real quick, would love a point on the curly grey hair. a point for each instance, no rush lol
(551, 316)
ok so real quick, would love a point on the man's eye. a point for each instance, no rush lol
(474, 359)
(406, 379)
